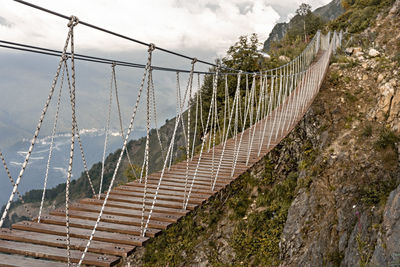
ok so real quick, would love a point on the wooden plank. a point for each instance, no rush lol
(204, 186)
(177, 197)
(80, 233)
(173, 189)
(165, 190)
(202, 172)
(60, 242)
(119, 204)
(122, 215)
(181, 179)
(202, 180)
(179, 186)
(206, 165)
(225, 176)
(162, 217)
(103, 226)
(128, 198)
(110, 218)
(7, 260)
(222, 177)
(57, 254)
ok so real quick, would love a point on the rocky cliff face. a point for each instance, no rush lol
(277, 33)
(327, 12)
(330, 11)
(328, 195)
(350, 215)
(243, 224)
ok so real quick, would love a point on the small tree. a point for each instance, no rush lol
(303, 10)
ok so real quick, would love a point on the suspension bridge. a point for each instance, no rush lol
(102, 230)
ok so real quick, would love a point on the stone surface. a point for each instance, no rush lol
(284, 58)
(359, 54)
(380, 78)
(385, 99)
(328, 222)
(373, 52)
(387, 249)
(357, 50)
(349, 51)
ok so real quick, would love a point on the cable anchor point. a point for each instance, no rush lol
(152, 47)
(73, 21)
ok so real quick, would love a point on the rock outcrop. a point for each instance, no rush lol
(327, 12)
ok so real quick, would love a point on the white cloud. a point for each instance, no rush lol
(173, 24)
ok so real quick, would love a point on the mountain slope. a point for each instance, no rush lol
(328, 195)
(326, 13)
(330, 11)
(80, 188)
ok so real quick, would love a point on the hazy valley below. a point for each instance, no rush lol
(93, 143)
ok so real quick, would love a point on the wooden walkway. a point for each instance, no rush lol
(43, 244)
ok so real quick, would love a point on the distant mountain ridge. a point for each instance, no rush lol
(327, 12)
(330, 11)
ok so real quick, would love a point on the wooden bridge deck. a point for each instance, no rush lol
(43, 244)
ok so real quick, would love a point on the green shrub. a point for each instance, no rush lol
(366, 131)
(387, 138)
(335, 257)
(397, 58)
(359, 15)
(377, 192)
(334, 78)
(257, 238)
(350, 97)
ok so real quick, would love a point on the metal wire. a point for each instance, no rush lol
(117, 34)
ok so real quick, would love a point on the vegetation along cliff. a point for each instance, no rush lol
(325, 13)
(329, 193)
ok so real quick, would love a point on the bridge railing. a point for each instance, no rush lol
(275, 100)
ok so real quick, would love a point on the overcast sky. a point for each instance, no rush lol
(211, 25)
(201, 28)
